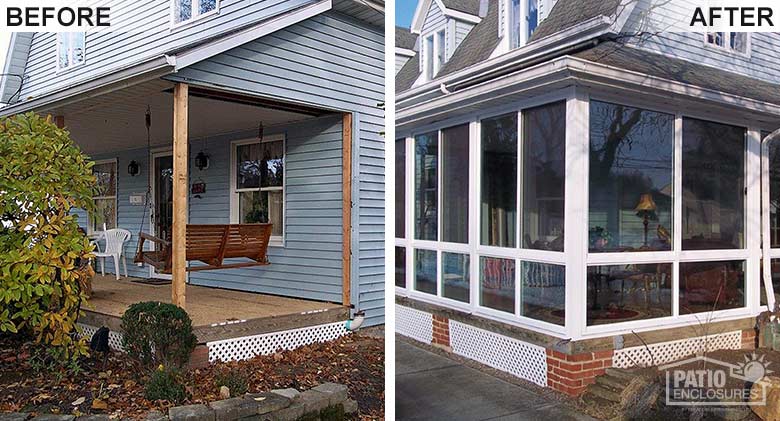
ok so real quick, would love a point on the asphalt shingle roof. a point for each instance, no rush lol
(408, 74)
(404, 38)
(478, 44)
(466, 6)
(621, 56)
(567, 13)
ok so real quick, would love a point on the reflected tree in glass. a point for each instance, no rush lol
(498, 202)
(425, 271)
(426, 186)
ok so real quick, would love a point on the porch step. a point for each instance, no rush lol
(616, 384)
(620, 373)
(602, 392)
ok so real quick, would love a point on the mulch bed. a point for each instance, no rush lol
(115, 387)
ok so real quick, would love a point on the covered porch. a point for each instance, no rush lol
(216, 314)
(267, 161)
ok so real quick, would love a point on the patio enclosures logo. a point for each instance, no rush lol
(54, 15)
(705, 381)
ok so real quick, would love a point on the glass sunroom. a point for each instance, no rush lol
(585, 213)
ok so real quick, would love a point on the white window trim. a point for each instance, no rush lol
(57, 67)
(727, 44)
(576, 257)
(196, 16)
(114, 161)
(276, 240)
(522, 21)
(431, 57)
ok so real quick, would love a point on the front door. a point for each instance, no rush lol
(162, 214)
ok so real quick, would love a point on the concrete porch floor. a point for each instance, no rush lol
(216, 313)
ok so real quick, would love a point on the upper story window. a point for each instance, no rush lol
(434, 53)
(731, 41)
(523, 20)
(70, 49)
(186, 10)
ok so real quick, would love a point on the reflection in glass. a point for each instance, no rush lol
(497, 283)
(544, 169)
(713, 182)
(774, 191)
(260, 165)
(711, 286)
(400, 267)
(631, 179)
(426, 190)
(400, 188)
(499, 181)
(262, 207)
(425, 271)
(455, 184)
(455, 276)
(620, 293)
(543, 294)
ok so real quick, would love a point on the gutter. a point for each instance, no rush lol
(142, 72)
(546, 48)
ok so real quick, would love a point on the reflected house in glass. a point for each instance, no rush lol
(610, 193)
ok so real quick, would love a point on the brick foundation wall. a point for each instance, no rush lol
(571, 374)
(199, 357)
(441, 331)
(749, 339)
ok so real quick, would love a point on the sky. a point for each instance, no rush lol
(404, 11)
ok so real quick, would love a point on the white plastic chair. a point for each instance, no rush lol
(115, 246)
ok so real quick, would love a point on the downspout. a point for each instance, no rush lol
(501, 71)
(765, 234)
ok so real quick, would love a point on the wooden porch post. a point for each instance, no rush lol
(346, 208)
(180, 183)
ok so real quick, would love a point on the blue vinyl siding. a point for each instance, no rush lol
(335, 62)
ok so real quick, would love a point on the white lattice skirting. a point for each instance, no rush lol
(114, 338)
(414, 324)
(521, 359)
(664, 352)
(268, 343)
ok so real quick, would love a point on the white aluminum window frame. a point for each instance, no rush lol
(576, 257)
(115, 161)
(71, 65)
(195, 13)
(726, 47)
(276, 240)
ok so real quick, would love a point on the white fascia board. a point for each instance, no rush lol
(580, 72)
(588, 70)
(96, 86)
(589, 29)
(419, 16)
(220, 45)
(405, 52)
(465, 17)
(7, 65)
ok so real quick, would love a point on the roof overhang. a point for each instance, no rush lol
(565, 72)
(404, 52)
(422, 11)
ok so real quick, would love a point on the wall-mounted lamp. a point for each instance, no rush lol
(133, 168)
(202, 161)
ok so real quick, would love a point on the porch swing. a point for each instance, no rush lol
(209, 244)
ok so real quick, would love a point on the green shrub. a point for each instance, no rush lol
(158, 333)
(43, 270)
(234, 379)
(165, 385)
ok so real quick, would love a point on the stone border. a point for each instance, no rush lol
(276, 405)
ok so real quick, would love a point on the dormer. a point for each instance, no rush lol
(518, 19)
(441, 25)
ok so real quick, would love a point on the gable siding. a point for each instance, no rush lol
(434, 19)
(151, 37)
(461, 30)
(336, 62)
(763, 62)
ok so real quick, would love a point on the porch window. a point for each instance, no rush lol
(631, 179)
(497, 284)
(499, 181)
(258, 185)
(710, 286)
(400, 267)
(400, 188)
(105, 196)
(713, 186)
(455, 184)
(774, 192)
(186, 10)
(425, 271)
(618, 293)
(455, 276)
(426, 187)
(544, 155)
(70, 49)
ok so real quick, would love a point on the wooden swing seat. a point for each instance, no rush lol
(211, 244)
